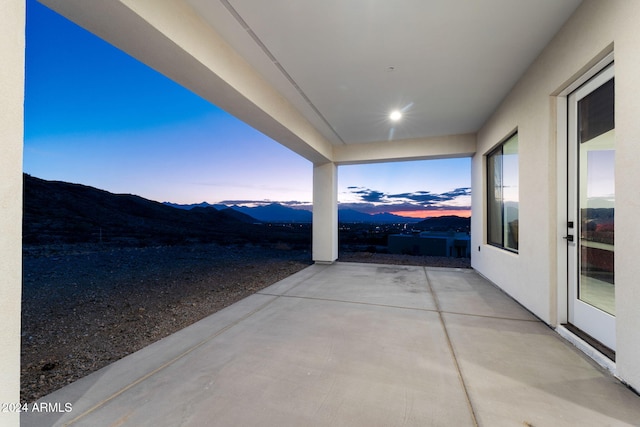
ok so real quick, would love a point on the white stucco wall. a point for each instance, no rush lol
(12, 44)
(534, 275)
(627, 51)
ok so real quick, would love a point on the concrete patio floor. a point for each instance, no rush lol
(355, 345)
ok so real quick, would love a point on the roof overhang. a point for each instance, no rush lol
(322, 77)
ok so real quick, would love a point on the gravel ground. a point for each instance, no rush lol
(84, 306)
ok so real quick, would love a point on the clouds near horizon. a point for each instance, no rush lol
(375, 201)
(295, 204)
(366, 200)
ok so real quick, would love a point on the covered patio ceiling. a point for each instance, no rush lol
(323, 76)
(347, 64)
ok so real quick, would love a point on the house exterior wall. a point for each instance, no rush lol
(536, 276)
(12, 45)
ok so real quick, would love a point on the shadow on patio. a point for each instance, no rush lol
(355, 344)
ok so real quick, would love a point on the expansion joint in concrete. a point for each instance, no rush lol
(451, 349)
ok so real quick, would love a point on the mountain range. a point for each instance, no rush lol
(278, 213)
(61, 212)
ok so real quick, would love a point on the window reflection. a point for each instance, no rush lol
(503, 195)
(596, 165)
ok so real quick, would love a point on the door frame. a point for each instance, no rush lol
(590, 319)
(562, 171)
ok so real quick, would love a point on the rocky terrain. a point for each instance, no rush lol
(84, 307)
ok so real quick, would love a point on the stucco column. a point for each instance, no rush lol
(12, 45)
(325, 213)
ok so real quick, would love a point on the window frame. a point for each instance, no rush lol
(495, 184)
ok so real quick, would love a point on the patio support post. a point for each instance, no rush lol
(12, 49)
(325, 213)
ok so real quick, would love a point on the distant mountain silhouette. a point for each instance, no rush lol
(238, 215)
(278, 213)
(275, 212)
(351, 215)
(60, 212)
(191, 206)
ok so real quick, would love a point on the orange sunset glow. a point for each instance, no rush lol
(425, 214)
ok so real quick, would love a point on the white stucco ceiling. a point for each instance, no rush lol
(453, 60)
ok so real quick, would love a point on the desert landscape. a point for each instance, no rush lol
(91, 299)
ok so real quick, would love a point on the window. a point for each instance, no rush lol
(502, 195)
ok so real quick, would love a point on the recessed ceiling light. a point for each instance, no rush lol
(395, 115)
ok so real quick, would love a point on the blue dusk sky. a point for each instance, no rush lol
(96, 116)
